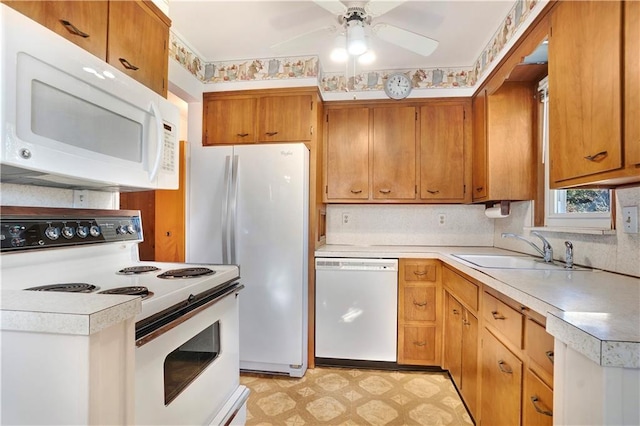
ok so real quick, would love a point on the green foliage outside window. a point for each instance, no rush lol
(587, 200)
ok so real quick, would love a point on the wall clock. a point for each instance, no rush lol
(397, 86)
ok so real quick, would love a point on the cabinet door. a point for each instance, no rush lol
(537, 402)
(584, 88)
(228, 121)
(453, 338)
(348, 153)
(501, 383)
(81, 22)
(137, 43)
(442, 170)
(632, 82)
(285, 118)
(479, 175)
(394, 153)
(469, 373)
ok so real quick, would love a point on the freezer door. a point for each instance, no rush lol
(271, 245)
(209, 178)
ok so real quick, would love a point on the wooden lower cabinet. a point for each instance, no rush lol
(419, 312)
(537, 401)
(501, 383)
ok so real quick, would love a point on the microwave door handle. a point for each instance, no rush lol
(160, 145)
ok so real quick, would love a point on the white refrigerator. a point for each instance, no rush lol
(248, 205)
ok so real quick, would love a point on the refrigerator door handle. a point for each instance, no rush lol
(225, 210)
(233, 210)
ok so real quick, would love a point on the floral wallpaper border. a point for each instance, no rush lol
(283, 68)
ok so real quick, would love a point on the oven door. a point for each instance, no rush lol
(185, 373)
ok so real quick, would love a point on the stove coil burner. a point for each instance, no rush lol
(186, 273)
(129, 291)
(66, 288)
(133, 270)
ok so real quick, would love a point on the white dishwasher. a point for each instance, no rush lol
(356, 309)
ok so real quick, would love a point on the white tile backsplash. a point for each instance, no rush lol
(43, 196)
(409, 225)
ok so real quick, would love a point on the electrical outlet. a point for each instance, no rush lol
(80, 198)
(346, 218)
(630, 219)
(441, 219)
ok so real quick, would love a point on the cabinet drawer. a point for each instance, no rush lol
(419, 303)
(504, 318)
(463, 289)
(537, 402)
(420, 271)
(539, 345)
(418, 345)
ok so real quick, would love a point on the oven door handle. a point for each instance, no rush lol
(187, 315)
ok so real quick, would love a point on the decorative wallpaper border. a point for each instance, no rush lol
(285, 68)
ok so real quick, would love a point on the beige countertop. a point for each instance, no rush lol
(64, 313)
(595, 312)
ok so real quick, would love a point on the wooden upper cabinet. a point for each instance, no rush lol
(585, 49)
(138, 43)
(504, 144)
(442, 162)
(228, 121)
(632, 84)
(394, 153)
(347, 153)
(285, 118)
(81, 22)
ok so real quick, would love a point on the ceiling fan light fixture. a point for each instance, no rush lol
(367, 57)
(339, 52)
(356, 43)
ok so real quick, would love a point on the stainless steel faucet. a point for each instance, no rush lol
(568, 255)
(546, 252)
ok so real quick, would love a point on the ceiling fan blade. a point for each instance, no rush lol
(380, 7)
(335, 7)
(406, 39)
(301, 40)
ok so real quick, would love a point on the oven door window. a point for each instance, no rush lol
(185, 363)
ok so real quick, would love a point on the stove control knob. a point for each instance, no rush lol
(121, 230)
(52, 232)
(82, 231)
(68, 232)
(16, 230)
(17, 242)
(131, 230)
(94, 231)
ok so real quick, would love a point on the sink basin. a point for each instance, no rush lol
(500, 261)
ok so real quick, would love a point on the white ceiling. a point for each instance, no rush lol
(237, 30)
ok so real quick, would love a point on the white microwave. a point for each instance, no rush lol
(70, 120)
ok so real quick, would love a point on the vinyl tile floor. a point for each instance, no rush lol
(349, 397)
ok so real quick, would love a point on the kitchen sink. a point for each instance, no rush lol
(501, 261)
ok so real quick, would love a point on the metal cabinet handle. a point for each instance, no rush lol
(433, 192)
(534, 401)
(128, 65)
(597, 157)
(271, 133)
(73, 29)
(497, 315)
(549, 355)
(501, 366)
(420, 304)
(356, 191)
(465, 322)
(479, 189)
(242, 135)
(420, 273)
(455, 312)
(385, 191)
(420, 343)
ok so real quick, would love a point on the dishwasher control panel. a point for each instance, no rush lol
(357, 264)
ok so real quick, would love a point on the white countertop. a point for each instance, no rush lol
(595, 312)
(64, 313)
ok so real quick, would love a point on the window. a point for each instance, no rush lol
(571, 208)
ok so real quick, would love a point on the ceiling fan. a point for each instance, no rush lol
(355, 24)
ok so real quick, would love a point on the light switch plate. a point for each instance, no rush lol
(630, 219)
